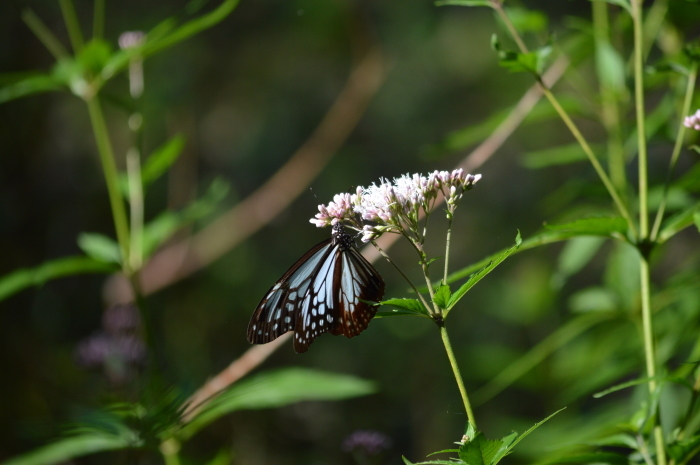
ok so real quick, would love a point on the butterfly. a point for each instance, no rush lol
(330, 288)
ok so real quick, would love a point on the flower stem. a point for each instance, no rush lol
(111, 175)
(447, 248)
(639, 107)
(458, 375)
(71, 19)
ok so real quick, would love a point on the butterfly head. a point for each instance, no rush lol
(341, 237)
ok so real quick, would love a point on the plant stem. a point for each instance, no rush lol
(44, 34)
(639, 107)
(410, 283)
(689, 90)
(458, 375)
(72, 25)
(447, 250)
(622, 209)
(133, 169)
(111, 175)
(170, 449)
(572, 127)
(98, 22)
(650, 353)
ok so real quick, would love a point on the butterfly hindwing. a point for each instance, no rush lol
(357, 283)
(277, 311)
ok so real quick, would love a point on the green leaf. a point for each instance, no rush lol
(678, 222)
(69, 448)
(165, 35)
(601, 226)
(444, 451)
(478, 276)
(636, 382)
(576, 254)
(681, 451)
(23, 278)
(623, 3)
(525, 20)
(276, 389)
(406, 306)
(696, 219)
(93, 56)
(167, 223)
(406, 461)
(479, 451)
(562, 155)
(533, 428)
(610, 68)
(442, 296)
(517, 62)
(100, 247)
(593, 299)
(17, 85)
(597, 458)
(465, 3)
(161, 159)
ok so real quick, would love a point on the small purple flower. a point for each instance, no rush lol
(693, 121)
(121, 318)
(102, 348)
(131, 39)
(371, 443)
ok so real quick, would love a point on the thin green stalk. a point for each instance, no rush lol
(680, 136)
(72, 25)
(447, 248)
(621, 208)
(109, 167)
(639, 109)
(44, 34)
(691, 407)
(458, 375)
(133, 169)
(98, 21)
(650, 353)
(572, 127)
(410, 283)
(170, 449)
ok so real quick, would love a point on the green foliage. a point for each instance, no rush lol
(23, 278)
(517, 62)
(481, 274)
(404, 307)
(278, 388)
(563, 155)
(73, 447)
(100, 247)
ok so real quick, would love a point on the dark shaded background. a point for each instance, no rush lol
(246, 94)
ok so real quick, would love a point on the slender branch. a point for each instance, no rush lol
(639, 108)
(680, 136)
(111, 175)
(133, 169)
(447, 247)
(72, 25)
(44, 34)
(458, 375)
(498, 6)
(98, 21)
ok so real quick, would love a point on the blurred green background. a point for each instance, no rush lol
(246, 94)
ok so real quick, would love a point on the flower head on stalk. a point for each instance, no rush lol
(693, 121)
(395, 206)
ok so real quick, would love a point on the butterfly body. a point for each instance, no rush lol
(326, 290)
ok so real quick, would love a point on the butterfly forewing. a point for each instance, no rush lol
(276, 312)
(325, 290)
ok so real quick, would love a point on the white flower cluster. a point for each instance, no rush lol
(693, 121)
(394, 207)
